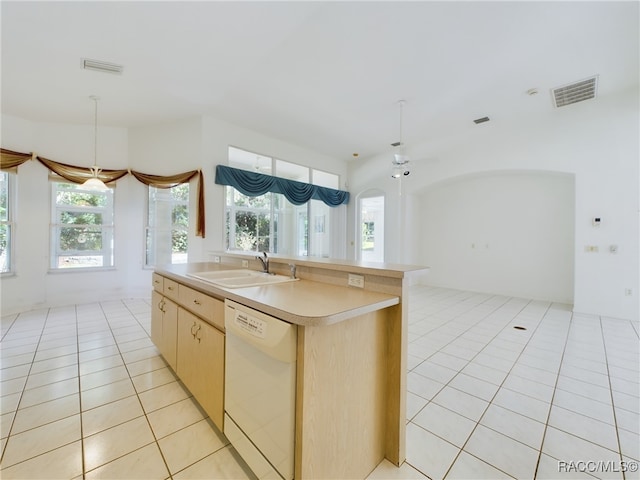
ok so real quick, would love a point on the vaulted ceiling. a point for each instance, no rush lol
(323, 75)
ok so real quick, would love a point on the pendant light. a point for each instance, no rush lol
(94, 183)
(400, 162)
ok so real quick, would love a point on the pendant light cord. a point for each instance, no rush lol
(401, 102)
(95, 133)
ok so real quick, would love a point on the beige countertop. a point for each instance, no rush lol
(392, 270)
(302, 302)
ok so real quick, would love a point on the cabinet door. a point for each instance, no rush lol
(211, 371)
(187, 362)
(164, 325)
(170, 334)
(156, 319)
(201, 363)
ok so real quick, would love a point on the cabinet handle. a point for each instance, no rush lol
(161, 306)
(192, 332)
(196, 302)
(170, 288)
(197, 333)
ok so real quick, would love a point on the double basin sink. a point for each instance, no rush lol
(240, 278)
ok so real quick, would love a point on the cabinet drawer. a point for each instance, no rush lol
(206, 307)
(157, 282)
(170, 289)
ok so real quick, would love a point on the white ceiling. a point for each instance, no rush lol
(323, 75)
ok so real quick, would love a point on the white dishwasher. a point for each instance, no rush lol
(259, 392)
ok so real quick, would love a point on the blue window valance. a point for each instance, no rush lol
(253, 184)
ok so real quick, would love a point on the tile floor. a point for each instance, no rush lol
(85, 395)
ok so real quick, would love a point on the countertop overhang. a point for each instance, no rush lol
(304, 302)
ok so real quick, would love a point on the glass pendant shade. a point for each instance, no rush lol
(94, 183)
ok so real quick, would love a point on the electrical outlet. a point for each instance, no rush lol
(216, 259)
(245, 263)
(356, 280)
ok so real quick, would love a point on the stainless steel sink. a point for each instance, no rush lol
(240, 278)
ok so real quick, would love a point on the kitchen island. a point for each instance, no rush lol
(350, 382)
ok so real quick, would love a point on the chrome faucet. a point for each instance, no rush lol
(265, 262)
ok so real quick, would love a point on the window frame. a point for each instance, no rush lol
(106, 228)
(148, 228)
(276, 205)
(10, 224)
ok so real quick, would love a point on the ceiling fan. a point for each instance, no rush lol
(400, 161)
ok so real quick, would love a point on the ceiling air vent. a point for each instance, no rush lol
(575, 92)
(99, 66)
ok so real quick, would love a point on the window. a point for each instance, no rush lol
(81, 227)
(167, 231)
(270, 222)
(371, 211)
(249, 222)
(6, 222)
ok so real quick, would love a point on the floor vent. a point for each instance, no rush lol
(99, 66)
(478, 121)
(575, 92)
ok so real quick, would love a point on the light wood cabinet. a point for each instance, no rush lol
(187, 326)
(164, 327)
(350, 410)
(206, 307)
(170, 289)
(201, 363)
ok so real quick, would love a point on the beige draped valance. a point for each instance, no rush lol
(80, 174)
(10, 160)
(173, 180)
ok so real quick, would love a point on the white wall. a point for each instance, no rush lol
(595, 141)
(161, 150)
(506, 232)
(33, 285)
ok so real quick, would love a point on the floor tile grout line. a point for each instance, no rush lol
(46, 320)
(130, 378)
(555, 388)
(468, 362)
(636, 328)
(80, 391)
(496, 308)
(613, 401)
(24, 387)
(471, 360)
(82, 452)
(523, 351)
(157, 441)
(490, 402)
(459, 371)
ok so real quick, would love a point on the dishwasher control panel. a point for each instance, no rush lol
(250, 324)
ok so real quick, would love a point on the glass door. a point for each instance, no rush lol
(371, 224)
